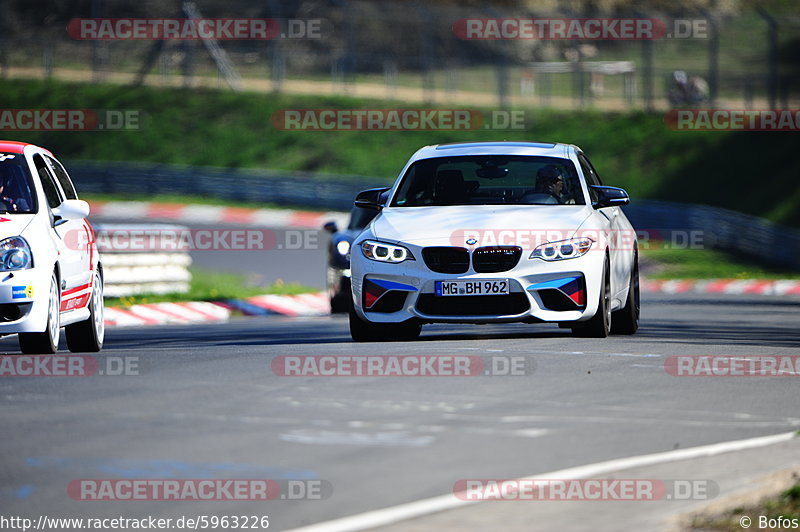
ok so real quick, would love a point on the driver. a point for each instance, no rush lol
(8, 198)
(549, 180)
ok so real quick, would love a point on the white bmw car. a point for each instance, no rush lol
(50, 271)
(491, 232)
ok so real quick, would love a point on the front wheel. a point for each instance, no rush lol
(87, 336)
(365, 331)
(600, 324)
(46, 342)
(626, 319)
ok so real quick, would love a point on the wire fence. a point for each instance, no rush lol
(730, 56)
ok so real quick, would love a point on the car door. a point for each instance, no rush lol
(71, 236)
(617, 239)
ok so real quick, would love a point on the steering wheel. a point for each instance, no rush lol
(540, 198)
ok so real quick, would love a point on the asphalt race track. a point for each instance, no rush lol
(206, 404)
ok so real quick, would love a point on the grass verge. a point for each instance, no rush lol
(212, 286)
(786, 506)
(205, 127)
(665, 263)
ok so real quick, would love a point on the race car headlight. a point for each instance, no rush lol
(343, 247)
(383, 252)
(562, 249)
(15, 254)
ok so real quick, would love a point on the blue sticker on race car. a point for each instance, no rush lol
(21, 292)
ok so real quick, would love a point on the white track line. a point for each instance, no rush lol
(394, 514)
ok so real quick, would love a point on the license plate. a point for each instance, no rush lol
(484, 287)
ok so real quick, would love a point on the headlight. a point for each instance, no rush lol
(385, 252)
(15, 254)
(343, 247)
(562, 249)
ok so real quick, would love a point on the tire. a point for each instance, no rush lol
(341, 300)
(599, 325)
(626, 319)
(46, 342)
(87, 336)
(340, 305)
(364, 331)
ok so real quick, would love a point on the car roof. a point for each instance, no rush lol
(11, 146)
(548, 149)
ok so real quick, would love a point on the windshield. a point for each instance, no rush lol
(15, 190)
(490, 180)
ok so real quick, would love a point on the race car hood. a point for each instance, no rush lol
(14, 224)
(488, 224)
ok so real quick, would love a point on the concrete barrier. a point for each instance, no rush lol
(143, 266)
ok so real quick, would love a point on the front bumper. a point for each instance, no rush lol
(539, 291)
(24, 298)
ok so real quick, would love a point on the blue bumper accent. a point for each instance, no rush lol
(392, 285)
(555, 283)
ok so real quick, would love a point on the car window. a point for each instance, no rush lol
(63, 178)
(490, 180)
(48, 183)
(15, 185)
(591, 175)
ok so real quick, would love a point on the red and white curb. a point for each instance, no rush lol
(780, 287)
(178, 212)
(163, 313)
(314, 304)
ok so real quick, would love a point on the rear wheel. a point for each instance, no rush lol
(626, 319)
(600, 324)
(46, 342)
(365, 331)
(87, 336)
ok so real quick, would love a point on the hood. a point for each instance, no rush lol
(490, 224)
(14, 224)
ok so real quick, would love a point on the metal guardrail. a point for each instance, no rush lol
(142, 266)
(721, 228)
(282, 188)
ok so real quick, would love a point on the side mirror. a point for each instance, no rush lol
(71, 209)
(610, 197)
(372, 198)
(331, 227)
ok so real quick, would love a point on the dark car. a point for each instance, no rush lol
(338, 270)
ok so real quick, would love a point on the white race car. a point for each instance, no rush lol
(50, 271)
(491, 232)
